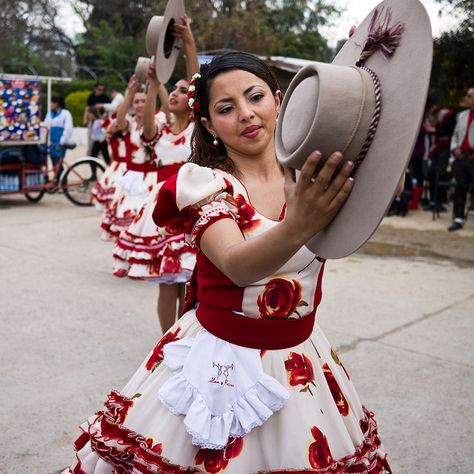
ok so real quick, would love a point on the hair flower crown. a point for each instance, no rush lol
(193, 101)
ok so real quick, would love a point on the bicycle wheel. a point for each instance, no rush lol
(34, 196)
(79, 180)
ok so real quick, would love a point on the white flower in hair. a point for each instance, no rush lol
(192, 88)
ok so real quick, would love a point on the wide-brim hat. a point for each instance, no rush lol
(141, 69)
(160, 41)
(368, 103)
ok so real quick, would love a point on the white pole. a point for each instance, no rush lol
(48, 98)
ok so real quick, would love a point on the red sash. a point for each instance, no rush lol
(266, 334)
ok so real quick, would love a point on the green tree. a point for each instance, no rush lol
(115, 29)
(465, 11)
(453, 65)
(453, 62)
(76, 102)
(31, 41)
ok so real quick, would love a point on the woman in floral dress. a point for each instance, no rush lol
(245, 382)
(141, 251)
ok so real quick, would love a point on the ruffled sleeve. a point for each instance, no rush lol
(192, 200)
(160, 123)
(111, 126)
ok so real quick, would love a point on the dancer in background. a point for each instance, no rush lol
(120, 146)
(141, 251)
(133, 187)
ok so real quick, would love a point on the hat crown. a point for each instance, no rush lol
(333, 107)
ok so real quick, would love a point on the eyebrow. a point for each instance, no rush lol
(246, 91)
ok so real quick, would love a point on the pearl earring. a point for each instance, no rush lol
(215, 142)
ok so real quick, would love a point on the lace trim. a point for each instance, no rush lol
(204, 221)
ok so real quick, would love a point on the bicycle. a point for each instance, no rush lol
(33, 180)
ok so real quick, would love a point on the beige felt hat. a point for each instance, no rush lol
(141, 69)
(160, 41)
(367, 104)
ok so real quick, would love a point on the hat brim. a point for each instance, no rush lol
(405, 80)
(168, 47)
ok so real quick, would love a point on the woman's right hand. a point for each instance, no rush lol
(133, 86)
(151, 76)
(315, 198)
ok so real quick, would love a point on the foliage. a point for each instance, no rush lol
(453, 62)
(453, 66)
(30, 30)
(76, 103)
(115, 29)
(465, 8)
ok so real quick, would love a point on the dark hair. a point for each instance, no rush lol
(92, 110)
(204, 152)
(58, 100)
(99, 84)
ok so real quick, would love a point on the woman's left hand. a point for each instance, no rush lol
(183, 31)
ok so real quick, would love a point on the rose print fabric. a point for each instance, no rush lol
(321, 428)
(141, 250)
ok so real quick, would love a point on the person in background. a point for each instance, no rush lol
(59, 122)
(98, 135)
(462, 147)
(142, 251)
(442, 120)
(97, 97)
(110, 108)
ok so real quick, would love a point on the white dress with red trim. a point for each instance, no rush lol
(142, 251)
(134, 186)
(245, 382)
(104, 189)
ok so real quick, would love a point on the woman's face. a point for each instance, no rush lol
(242, 111)
(138, 103)
(178, 99)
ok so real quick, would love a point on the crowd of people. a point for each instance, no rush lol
(442, 164)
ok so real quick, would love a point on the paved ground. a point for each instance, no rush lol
(71, 332)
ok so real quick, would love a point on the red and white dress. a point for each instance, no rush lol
(141, 250)
(104, 189)
(133, 188)
(245, 382)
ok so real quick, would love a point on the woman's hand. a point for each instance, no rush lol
(314, 200)
(133, 86)
(151, 76)
(183, 31)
